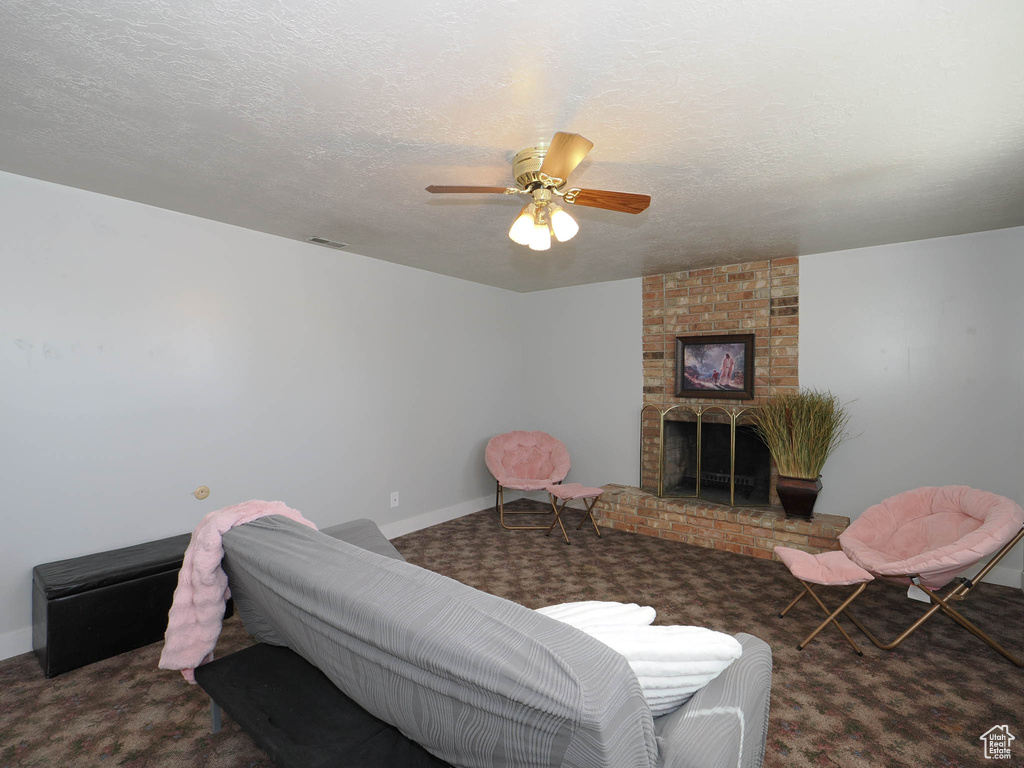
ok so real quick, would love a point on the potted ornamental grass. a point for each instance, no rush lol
(801, 431)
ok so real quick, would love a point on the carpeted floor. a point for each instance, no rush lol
(925, 704)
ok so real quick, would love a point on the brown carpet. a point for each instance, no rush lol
(925, 704)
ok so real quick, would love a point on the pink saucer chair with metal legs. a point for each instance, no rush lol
(928, 537)
(525, 461)
(925, 537)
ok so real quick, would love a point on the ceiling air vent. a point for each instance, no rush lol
(327, 243)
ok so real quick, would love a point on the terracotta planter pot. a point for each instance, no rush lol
(798, 496)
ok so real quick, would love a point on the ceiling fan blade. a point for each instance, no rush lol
(436, 189)
(567, 150)
(626, 202)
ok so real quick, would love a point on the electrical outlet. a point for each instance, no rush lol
(394, 499)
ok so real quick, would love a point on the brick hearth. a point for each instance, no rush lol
(754, 531)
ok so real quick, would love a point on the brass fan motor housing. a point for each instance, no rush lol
(526, 166)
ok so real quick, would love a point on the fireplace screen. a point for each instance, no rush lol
(707, 452)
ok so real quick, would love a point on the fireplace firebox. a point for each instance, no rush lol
(709, 452)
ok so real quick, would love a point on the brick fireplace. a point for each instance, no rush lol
(758, 297)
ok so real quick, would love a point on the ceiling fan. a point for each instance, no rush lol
(542, 172)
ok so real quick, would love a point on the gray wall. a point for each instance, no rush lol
(145, 352)
(925, 340)
(584, 379)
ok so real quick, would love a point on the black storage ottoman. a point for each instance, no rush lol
(299, 717)
(93, 607)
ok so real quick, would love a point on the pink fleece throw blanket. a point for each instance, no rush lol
(197, 610)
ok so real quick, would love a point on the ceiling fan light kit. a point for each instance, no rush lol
(541, 172)
(522, 227)
(540, 240)
(562, 224)
(539, 220)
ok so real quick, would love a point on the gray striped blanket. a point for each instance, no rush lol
(479, 681)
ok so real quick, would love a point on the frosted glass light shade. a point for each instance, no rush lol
(522, 227)
(540, 240)
(565, 226)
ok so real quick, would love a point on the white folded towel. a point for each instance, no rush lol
(591, 613)
(671, 644)
(671, 663)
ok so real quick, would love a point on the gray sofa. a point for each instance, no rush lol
(476, 679)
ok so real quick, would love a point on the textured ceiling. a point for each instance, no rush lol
(761, 129)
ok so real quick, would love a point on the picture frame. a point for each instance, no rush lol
(715, 367)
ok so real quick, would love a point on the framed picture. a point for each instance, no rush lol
(715, 366)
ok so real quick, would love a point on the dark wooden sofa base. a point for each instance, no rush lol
(299, 717)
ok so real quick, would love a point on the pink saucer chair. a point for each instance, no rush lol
(525, 461)
(929, 536)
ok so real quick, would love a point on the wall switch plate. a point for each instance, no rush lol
(394, 499)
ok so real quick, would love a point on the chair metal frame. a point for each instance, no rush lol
(832, 615)
(959, 591)
(499, 505)
(589, 503)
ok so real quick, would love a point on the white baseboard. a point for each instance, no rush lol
(427, 519)
(15, 643)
